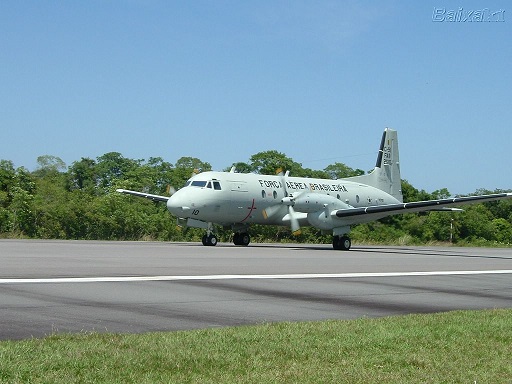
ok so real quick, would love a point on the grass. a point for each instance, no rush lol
(453, 347)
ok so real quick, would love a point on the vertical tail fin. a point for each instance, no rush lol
(386, 174)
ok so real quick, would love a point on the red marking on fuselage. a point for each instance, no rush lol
(251, 208)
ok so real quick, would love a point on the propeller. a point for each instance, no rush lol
(288, 200)
(170, 190)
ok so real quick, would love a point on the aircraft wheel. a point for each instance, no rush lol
(241, 239)
(345, 243)
(210, 240)
(336, 242)
(245, 239)
(342, 243)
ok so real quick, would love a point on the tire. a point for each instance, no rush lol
(241, 239)
(342, 243)
(209, 240)
(345, 243)
(336, 243)
(245, 239)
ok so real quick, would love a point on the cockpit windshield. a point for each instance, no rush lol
(204, 184)
(198, 183)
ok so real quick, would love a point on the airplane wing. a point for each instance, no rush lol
(145, 195)
(380, 211)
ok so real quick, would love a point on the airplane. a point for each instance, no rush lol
(238, 200)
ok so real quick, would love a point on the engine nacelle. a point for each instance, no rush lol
(311, 202)
(320, 208)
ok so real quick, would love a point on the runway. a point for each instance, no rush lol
(72, 286)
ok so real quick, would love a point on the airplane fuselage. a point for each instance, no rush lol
(236, 198)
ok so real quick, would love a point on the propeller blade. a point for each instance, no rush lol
(288, 200)
(170, 190)
(294, 222)
(273, 209)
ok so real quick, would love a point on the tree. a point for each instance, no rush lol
(7, 174)
(412, 194)
(162, 173)
(7, 181)
(49, 164)
(113, 167)
(502, 231)
(476, 223)
(194, 164)
(20, 212)
(81, 203)
(340, 171)
(185, 168)
(83, 175)
(272, 162)
(240, 167)
(307, 172)
(442, 193)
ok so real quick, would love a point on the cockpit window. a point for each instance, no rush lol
(212, 184)
(198, 183)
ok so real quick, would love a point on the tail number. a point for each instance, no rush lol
(387, 155)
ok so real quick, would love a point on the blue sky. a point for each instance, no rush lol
(223, 80)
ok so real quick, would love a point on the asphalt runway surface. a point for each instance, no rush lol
(49, 287)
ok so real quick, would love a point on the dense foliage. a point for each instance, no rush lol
(80, 202)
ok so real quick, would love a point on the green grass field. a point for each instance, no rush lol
(453, 347)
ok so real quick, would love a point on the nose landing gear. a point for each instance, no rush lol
(209, 240)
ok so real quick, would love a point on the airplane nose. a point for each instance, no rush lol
(177, 204)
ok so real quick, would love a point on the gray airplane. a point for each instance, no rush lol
(238, 200)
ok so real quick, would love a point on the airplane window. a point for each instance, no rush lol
(216, 185)
(209, 185)
(263, 194)
(198, 183)
(275, 195)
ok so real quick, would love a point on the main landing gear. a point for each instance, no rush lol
(241, 238)
(342, 243)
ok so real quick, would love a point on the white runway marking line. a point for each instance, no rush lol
(122, 279)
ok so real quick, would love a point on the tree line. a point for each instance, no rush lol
(79, 202)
